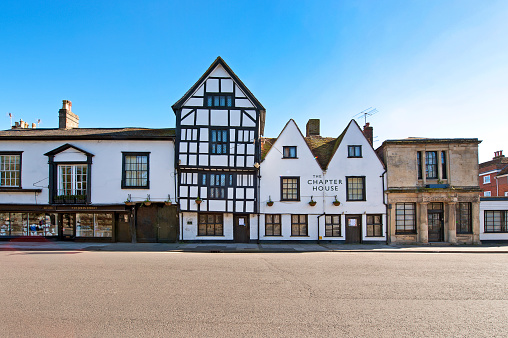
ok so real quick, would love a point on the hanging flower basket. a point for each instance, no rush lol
(130, 203)
(336, 203)
(269, 203)
(198, 200)
(312, 203)
(168, 203)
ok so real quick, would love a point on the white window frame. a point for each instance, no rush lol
(486, 194)
(10, 170)
(78, 187)
(486, 179)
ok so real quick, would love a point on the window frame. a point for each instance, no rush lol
(503, 217)
(124, 176)
(329, 226)
(351, 151)
(364, 189)
(431, 165)
(486, 179)
(374, 225)
(419, 164)
(73, 182)
(13, 153)
(297, 178)
(212, 146)
(272, 223)
(300, 224)
(289, 148)
(460, 218)
(408, 228)
(213, 96)
(444, 173)
(487, 193)
(215, 223)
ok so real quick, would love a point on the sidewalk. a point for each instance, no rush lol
(245, 248)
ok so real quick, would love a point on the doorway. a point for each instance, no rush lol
(435, 219)
(353, 229)
(241, 229)
(67, 226)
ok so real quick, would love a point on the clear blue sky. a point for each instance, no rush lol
(431, 68)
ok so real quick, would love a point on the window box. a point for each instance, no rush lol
(437, 186)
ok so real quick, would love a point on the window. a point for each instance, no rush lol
(135, 170)
(332, 226)
(419, 164)
(94, 225)
(354, 151)
(272, 225)
(444, 176)
(374, 226)
(355, 187)
(72, 180)
(217, 188)
(486, 193)
(289, 152)
(405, 218)
(10, 170)
(464, 225)
(210, 225)
(219, 100)
(506, 193)
(486, 179)
(298, 225)
(496, 221)
(218, 141)
(290, 188)
(431, 164)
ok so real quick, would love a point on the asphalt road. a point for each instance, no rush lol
(83, 294)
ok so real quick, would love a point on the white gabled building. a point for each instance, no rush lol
(219, 123)
(319, 188)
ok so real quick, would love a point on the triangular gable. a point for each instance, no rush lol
(68, 148)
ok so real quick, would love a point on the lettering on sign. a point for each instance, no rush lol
(83, 208)
(319, 184)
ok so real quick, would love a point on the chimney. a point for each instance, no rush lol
(368, 131)
(313, 127)
(34, 125)
(66, 118)
(498, 154)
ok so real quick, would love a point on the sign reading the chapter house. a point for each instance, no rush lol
(318, 183)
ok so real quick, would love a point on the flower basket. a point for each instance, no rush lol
(147, 203)
(198, 200)
(312, 203)
(269, 203)
(168, 203)
(130, 203)
(336, 203)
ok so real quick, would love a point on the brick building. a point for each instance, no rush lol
(493, 176)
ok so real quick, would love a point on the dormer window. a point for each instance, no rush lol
(219, 100)
(354, 151)
(289, 152)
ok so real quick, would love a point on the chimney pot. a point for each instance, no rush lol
(34, 125)
(313, 127)
(66, 118)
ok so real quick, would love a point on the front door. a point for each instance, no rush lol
(353, 229)
(241, 229)
(435, 221)
(67, 228)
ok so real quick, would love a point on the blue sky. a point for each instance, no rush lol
(431, 68)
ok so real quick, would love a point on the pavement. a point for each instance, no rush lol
(50, 245)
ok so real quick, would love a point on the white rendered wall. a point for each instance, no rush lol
(189, 220)
(491, 205)
(106, 169)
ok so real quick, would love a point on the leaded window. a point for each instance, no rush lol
(272, 225)
(136, 170)
(218, 141)
(210, 225)
(332, 226)
(374, 226)
(496, 221)
(10, 170)
(405, 218)
(464, 224)
(72, 179)
(290, 188)
(217, 188)
(355, 187)
(219, 100)
(299, 225)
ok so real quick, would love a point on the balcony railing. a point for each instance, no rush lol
(70, 199)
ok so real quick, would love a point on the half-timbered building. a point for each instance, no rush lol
(218, 126)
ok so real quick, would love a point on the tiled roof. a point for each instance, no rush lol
(88, 134)
(266, 145)
(496, 163)
(323, 148)
(433, 140)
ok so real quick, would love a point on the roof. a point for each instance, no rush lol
(88, 134)
(496, 163)
(412, 140)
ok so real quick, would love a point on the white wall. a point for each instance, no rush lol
(106, 170)
(491, 205)
(189, 220)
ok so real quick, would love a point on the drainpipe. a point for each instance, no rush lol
(259, 200)
(386, 205)
(318, 225)
(497, 187)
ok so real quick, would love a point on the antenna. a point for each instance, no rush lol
(38, 122)
(10, 117)
(366, 112)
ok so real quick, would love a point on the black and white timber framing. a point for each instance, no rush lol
(218, 127)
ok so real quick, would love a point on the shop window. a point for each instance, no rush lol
(354, 151)
(405, 218)
(289, 152)
(210, 225)
(374, 226)
(355, 188)
(464, 224)
(299, 225)
(219, 100)
(496, 221)
(332, 226)
(94, 225)
(219, 141)
(28, 224)
(10, 170)
(135, 173)
(272, 225)
(290, 188)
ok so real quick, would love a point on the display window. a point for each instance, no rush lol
(94, 225)
(28, 224)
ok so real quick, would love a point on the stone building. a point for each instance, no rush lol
(432, 190)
